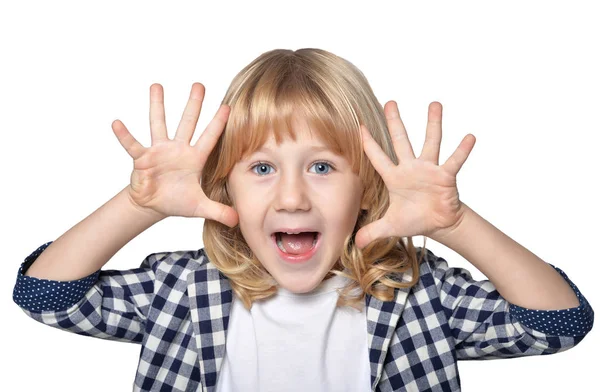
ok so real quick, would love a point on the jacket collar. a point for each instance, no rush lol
(210, 297)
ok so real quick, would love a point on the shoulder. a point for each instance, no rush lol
(452, 280)
(179, 262)
(429, 263)
(433, 270)
(185, 272)
(432, 265)
(429, 266)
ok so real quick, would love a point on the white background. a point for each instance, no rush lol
(521, 76)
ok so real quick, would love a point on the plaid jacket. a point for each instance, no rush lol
(177, 306)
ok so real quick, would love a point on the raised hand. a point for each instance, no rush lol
(166, 176)
(423, 195)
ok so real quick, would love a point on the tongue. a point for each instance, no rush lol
(297, 243)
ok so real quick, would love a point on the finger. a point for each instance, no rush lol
(458, 158)
(158, 128)
(369, 233)
(218, 212)
(402, 146)
(433, 134)
(132, 146)
(380, 161)
(190, 115)
(207, 141)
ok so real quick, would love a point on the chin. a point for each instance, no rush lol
(300, 287)
(299, 290)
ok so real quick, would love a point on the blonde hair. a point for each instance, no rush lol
(334, 97)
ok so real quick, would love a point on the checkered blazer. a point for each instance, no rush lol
(177, 306)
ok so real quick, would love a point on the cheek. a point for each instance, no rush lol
(342, 213)
(251, 212)
(250, 203)
(345, 210)
(344, 198)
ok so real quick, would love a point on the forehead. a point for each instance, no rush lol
(288, 146)
(299, 134)
(270, 148)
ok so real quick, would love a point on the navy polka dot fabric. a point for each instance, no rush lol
(37, 295)
(562, 322)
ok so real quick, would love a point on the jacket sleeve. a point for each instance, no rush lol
(107, 304)
(486, 326)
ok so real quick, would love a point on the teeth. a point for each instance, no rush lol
(280, 244)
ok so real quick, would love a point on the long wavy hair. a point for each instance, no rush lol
(334, 97)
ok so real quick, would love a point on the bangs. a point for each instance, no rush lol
(279, 98)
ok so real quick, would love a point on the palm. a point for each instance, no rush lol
(167, 179)
(423, 195)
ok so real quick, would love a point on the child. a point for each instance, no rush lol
(305, 281)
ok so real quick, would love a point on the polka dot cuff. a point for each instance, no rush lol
(563, 322)
(37, 295)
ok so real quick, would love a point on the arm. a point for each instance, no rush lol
(521, 277)
(484, 325)
(66, 289)
(106, 304)
(523, 309)
(98, 237)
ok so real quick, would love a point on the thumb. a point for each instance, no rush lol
(369, 233)
(218, 212)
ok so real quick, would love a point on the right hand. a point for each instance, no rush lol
(166, 176)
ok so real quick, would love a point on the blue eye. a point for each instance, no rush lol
(323, 165)
(264, 167)
(261, 166)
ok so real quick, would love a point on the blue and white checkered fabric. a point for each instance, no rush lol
(177, 306)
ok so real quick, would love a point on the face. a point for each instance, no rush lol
(296, 185)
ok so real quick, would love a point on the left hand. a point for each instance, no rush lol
(423, 195)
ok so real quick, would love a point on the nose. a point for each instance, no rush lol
(292, 193)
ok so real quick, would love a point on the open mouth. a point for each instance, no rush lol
(296, 244)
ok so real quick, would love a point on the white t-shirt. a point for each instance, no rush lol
(296, 342)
